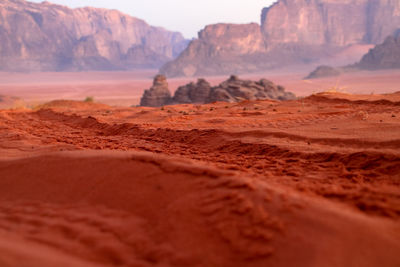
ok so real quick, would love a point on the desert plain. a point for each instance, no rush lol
(308, 182)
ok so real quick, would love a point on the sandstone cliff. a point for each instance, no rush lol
(291, 31)
(48, 37)
(330, 22)
(220, 47)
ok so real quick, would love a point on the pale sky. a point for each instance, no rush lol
(185, 16)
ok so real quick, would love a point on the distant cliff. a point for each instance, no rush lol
(48, 37)
(383, 56)
(330, 22)
(220, 48)
(291, 31)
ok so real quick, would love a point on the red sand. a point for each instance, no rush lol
(126, 88)
(312, 182)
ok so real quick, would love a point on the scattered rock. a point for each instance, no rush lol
(158, 95)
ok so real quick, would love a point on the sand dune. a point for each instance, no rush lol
(137, 209)
(311, 182)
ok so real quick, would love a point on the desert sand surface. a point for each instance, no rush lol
(126, 88)
(310, 182)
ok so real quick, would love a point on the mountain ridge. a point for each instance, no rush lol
(293, 32)
(49, 37)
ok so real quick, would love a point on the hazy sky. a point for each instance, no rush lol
(186, 16)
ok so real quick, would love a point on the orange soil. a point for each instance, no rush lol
(311, 182)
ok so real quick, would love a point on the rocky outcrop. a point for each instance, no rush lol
(220, 48)
(236, 90)
(48, 37)
(231, 90)
(158, 95)
(330, 22)
(193, 93)
(383, 56)
(324, 71)
(291, 32)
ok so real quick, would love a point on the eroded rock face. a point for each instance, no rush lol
(201, 92)
(158, 95)
(383, 56)
(219, 49)
(48, 37)
(236, 90)
(193, 93)
(231, 90)
(330, 22)
(291, 32)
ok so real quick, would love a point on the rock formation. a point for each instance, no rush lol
(48, 37)
(291, 32)
(328, 22)
(231, 90)
(158, 95)
(324, 71)
(383, 56)
(220, 48)
(236, 90)
(193, 93)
